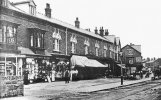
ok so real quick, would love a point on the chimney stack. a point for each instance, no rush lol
(106, 32)
(101, 31)
(48, 10)
(77, 23)
(96, 31)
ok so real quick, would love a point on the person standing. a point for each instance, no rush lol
(67, 75)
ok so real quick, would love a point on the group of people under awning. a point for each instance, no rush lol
(86, 68)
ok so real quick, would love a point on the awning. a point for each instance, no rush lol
(27, 51)
(121, 65)
(85, 62)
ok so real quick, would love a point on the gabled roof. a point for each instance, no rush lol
(23, 2)
(111, 38)
(137, 48)
(58, 22)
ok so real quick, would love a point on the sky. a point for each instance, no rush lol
(134, 21)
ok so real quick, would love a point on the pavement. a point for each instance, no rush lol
(40, 91)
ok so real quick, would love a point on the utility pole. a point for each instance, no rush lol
(121, 69)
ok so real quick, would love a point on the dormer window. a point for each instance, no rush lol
(32, 9)
(4, 3)
(28, 6)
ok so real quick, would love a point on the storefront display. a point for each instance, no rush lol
(11, 79)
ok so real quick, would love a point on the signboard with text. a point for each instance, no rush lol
(11, 86)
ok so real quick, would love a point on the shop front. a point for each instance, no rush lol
(37, 67)
(87, 68)
(60, 63)
(11, 75)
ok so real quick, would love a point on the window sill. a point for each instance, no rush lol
(37, 48)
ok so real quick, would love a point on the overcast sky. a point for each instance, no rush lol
(134, 21)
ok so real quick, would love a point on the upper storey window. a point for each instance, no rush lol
(73, 41)
(87, 44)
(37, 38)
(4, 3)
(8, 33)
(97, 47)
(56, 39)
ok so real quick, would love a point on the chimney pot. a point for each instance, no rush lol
(96, 31)
(106, 32)
(77, 23)
(48, 10)
(101, 31)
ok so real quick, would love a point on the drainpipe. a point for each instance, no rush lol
(66, 41)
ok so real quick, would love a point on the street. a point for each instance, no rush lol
(143, 89)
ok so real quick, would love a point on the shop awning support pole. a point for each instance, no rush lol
(16, 67)
(5, 67)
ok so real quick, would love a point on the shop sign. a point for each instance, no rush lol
(11, 86)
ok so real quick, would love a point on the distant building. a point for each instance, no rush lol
(153, 64)
(132, 58)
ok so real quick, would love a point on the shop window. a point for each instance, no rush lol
(2, 66)
(10, 66)
(56, 39)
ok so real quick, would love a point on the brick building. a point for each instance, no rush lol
(132, 58)
(41, 39)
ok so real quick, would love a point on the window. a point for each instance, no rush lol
(73, 41)
(105, 51)
(36, 38)
(96, 47)
(110, 54)
(32, 10)
(7, 34)
(86, 43)
(56, 39)
(131, 60)
(96, 51)
(86, 49)
(32, 40)
(130, 51)
(5, 3)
